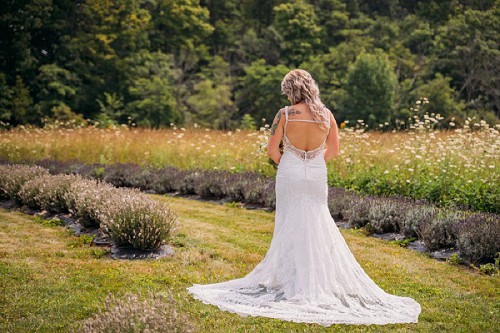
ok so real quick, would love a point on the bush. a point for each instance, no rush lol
(164, 180)
(440, 232)
(358, 211)
(130, 314)
(87, 198)
(57, 167)
(385, 216)
(127, 175)
(187, 181)
(132, 219)
(339, 201)
(47, 192)
(13, 177)
(415, 217)
(239, 186)
(210, 184)
(478, 237)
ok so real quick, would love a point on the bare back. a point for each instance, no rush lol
(302, 131)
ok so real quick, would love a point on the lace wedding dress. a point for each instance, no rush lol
(308, 274)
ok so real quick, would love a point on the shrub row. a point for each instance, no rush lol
(474, 234)
(128, 216)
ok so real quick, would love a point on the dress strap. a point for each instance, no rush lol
(286, 120)
(307, 120)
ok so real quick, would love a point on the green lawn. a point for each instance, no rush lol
(51, 280)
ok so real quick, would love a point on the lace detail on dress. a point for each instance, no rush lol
(302, 154)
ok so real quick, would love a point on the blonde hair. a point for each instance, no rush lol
(299, 86)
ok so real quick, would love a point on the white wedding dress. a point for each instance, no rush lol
(309, 274)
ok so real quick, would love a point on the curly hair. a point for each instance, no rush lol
(299, 86)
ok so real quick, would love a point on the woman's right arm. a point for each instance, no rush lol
(332, 141)
(273, 145)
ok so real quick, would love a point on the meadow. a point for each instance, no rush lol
(454, 167)
(51, 281)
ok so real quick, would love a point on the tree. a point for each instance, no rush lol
(106, 34)
(469, 45)
(152, 90)
(370, 88)
(5, 100)
(297, 22)
(56, 86)
(443, 99)
(22, 105)
(260, 90)
(330, 70)
(111, 109)
(211, 105)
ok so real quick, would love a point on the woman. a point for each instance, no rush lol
(308, 274)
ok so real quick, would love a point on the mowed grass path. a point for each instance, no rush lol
(51, 280)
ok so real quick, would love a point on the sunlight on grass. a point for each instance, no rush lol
(48, 281)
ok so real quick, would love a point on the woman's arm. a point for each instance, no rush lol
(332, 141)
(276, 136)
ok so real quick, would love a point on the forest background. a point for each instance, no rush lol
(219, 63)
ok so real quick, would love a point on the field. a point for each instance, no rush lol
(458, 167)
(52, 280)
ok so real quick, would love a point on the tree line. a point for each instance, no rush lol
(219, 63)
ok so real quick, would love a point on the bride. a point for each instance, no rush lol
(308, 274)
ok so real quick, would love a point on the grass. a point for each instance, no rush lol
(51, 280)
(448, 167)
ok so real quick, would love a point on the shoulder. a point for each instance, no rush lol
(281, 112)
(280, 115)
(329, 116)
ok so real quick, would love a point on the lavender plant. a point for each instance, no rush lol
(47, 192)
(339, 201)
(385, 216)
(156, 313)
(440, 232)
(415, 217)
(87, 198)
(358, 211)
(13, 177)
(132, 219)
(478, 237)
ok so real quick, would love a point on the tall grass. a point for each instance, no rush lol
(449, 167)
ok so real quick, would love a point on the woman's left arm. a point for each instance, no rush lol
(332, 141)
(276, 136)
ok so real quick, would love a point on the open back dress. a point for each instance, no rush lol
(308, 274)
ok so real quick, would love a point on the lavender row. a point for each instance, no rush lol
(129, 217)
(474, 234)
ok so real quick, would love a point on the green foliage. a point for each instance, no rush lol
(247, 122)
(152, 89)
(442, 100)
(403, 242)
(370, 87)
(260, 91)
(454, 259)
(23, 111)
(156, 62)
(111, 109)
(56, 87)
(5, 99)
(211, 104)
(297, 23)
